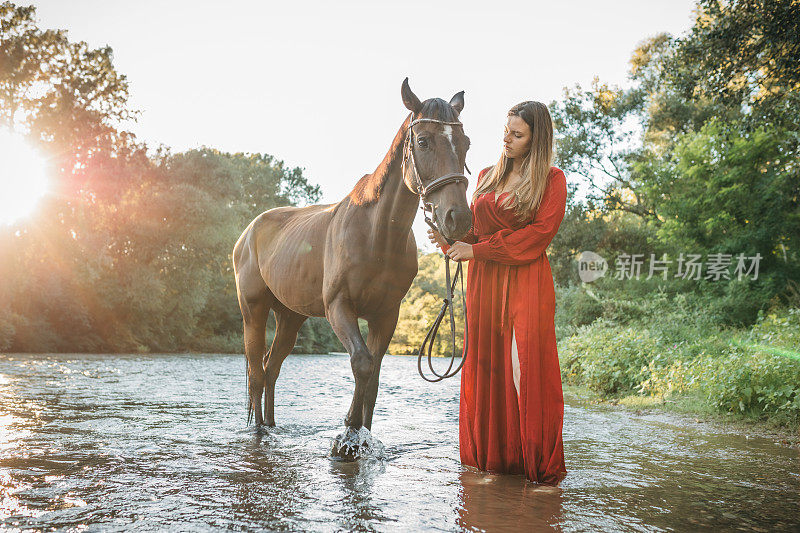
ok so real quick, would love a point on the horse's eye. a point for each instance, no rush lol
(422, 142)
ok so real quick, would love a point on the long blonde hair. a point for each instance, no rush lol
(535, 167)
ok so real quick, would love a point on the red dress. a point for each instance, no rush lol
(510, 292)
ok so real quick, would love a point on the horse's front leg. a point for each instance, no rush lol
(381, 330)
(343, 320)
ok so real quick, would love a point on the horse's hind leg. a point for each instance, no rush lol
(254, 315)
(288, 324)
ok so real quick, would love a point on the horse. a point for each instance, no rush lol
(353, 259)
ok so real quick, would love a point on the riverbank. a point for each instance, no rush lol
(690, 408)
(676, 360)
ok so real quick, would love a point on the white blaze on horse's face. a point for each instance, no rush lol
(448, 132)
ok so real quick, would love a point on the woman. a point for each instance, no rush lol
(512, 405)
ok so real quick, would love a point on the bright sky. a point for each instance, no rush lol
(317, 84)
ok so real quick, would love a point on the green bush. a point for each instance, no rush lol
(733, 303)
(780, 328)
(575, 307)
(754, 373)
(755, 384)
(610, 360)
(760, 376)
(665, 381)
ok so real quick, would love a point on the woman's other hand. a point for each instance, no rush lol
(436, 238)
(460, 251)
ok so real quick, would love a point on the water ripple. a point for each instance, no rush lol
(150, 443)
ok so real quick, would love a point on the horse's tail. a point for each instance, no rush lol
(247, 390)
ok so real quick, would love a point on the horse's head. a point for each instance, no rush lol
(434, 159)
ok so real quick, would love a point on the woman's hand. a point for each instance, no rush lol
(436, 237)
(460, 251)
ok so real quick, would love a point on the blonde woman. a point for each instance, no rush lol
(512, 407)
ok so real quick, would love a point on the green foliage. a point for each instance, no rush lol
(754, 384)
(576, 306)
(700, 152)
(56, 89)
(743, 54)
(780, 329)
(133, 252)
(608, 234)
(610, 360)
(596, 141)
(753, 372)
(317, 336)
(420, 307)
(736, 192)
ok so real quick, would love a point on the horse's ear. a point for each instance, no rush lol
(409, 98)
(457, 101)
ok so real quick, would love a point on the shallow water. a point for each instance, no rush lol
(160, 442)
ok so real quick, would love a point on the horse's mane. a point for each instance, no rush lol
(368, 189)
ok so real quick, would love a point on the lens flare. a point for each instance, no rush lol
(23, 178)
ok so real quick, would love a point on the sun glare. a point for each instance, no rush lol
(23, 178)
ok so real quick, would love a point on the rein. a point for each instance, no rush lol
(431, 335)
(422, 190)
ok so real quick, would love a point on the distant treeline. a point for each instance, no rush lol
(698, 156)
(131, 252)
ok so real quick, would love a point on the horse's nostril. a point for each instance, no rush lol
(450, 220)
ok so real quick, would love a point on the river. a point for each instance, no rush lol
(159, 442)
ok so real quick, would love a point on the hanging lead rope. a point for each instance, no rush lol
(425, 350)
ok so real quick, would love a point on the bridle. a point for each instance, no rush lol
(422, 190)
(417, 187)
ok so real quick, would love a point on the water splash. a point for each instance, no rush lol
(358, 444)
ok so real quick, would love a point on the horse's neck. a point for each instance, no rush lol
(396, 206)
(394, 213)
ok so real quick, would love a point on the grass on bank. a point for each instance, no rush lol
(668, 351)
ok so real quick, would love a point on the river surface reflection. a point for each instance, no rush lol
(110, 442)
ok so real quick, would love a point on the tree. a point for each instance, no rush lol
(132, 252)
(63, 93)
(703, 146)
(744, 53)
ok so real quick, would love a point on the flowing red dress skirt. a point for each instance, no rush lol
(510, 291)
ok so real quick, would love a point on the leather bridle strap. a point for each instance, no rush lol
(438, 183)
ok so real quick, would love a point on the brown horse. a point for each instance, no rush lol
(354, 259)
